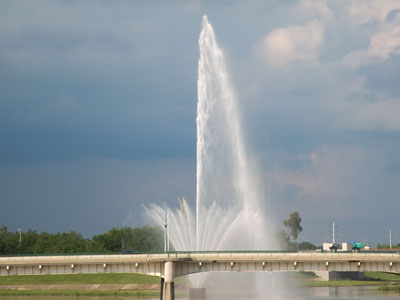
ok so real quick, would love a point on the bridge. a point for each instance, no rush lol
(173, 264)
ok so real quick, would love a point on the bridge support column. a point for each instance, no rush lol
(167, 283)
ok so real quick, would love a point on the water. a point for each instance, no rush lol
(228, 214)
(314, 293)
(229, 209)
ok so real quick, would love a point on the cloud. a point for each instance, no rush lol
(120, 82)
(62, 108)
(294, 43)
(386, 42)
(325, 170)
(316, 9)
(383, 44)
(333, 181)
(385, 39)
(364, 11)
(382, 114)
(90, 195)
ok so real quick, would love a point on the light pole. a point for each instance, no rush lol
(20, 240)
(166, 231)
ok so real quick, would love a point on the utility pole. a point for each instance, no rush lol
(168, 230)
(165, 229)
(20, 240)
(390, 238)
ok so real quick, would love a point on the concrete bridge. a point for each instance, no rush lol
(174, 264)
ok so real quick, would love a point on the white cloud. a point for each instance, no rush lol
(385, 40)
(318, 9)
(364, 11)
(287, 45)
(383, 44)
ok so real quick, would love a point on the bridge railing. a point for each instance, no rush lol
(172, 253)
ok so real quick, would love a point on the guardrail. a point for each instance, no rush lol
(202, 252)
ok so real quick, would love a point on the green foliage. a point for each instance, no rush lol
(383, 276)
(102, 278)
(293, 224)
(387, 246)
(294, 228)
(111, 241)
(114, 293)
(389, 288)
(283, 239)
(305, 246)
(145, 239)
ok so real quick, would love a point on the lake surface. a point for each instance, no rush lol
(313, 293)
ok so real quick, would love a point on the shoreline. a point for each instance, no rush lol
(79, 287)
(137, 285)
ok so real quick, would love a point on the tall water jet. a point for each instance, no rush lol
(229, 214)
(224, 178)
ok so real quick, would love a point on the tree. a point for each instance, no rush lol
(293, 225)
(145, 239)
(306, 246)
(283, 239)
(111, 241)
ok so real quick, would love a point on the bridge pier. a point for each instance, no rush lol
(167, 282)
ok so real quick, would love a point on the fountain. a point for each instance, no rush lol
(229, 213)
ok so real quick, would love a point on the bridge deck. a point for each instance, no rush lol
(194, 262)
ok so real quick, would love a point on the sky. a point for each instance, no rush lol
(98, 109)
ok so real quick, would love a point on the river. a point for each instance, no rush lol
(313, 293)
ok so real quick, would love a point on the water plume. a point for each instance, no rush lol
(228, 213)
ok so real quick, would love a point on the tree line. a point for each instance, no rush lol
(387, 246)
(126, 239)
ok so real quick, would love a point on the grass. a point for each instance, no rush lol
(386, 281)
(372, 278)
(381, 276)
(135, 293)
(348, 282)
(106, 278)
(389, 289)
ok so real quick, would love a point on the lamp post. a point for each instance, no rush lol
(20, 240)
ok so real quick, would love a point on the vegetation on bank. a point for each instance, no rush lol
(130, 293)
(144, 239)
(103, 278)
(383, 281)
(309, 279)
(82, 279)
(395, 288)
(298, 278)
(387, 246)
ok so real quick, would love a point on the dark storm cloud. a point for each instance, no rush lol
(92, 79)
(98, 107)
(90, 196)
